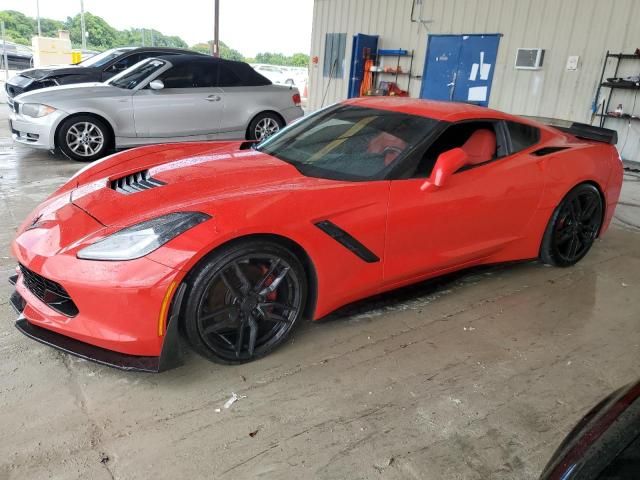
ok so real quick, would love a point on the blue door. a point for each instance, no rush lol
(460, 68)
(361, 44)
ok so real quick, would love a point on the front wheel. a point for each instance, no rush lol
(264, 125)
(84, 138)
(243, 302)
(573, 227)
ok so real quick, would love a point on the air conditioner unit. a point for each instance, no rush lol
(529, 58)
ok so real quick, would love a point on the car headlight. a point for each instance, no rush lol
(36, 110)
(143, 238)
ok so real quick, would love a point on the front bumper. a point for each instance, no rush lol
(119, 319)
(35, 132)
(170, 357)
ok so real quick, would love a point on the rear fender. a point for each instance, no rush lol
(578, 164)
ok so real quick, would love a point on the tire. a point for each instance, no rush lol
(573, 227)
(230, 321)
(84, 138)
(264, 125)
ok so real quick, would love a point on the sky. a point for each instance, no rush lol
(250, 26)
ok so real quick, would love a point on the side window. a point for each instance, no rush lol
(181, 76)
(334, 47)
(199, 75)
(478, 139)
(522, 136)
(125, 63)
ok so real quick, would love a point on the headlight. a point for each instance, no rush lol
(141, 239)
(36, 110)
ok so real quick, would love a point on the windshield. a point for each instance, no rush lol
(136, 74)
(347, 142)
(102, 58)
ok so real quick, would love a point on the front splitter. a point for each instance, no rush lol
(171, 356)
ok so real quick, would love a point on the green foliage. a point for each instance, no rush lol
(226, 52)
(103, 36)
(201, 47)
(295, 60)
(229, 53)
(20, 28)
(148, 37)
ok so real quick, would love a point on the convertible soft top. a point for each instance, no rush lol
(247, 75)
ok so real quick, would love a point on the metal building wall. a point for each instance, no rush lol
(587, 28)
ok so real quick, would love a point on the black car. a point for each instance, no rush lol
(98, 68)
(605, 445)
(18, 56)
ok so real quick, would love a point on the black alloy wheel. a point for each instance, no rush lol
(573, 227)
(244, 302)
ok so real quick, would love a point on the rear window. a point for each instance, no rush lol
(522, 136)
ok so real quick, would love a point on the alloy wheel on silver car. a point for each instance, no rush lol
(266, 127)
(85, 139)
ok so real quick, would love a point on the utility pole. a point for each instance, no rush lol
(38, 16)
(4, 54)
(215, 47)
(84, 32)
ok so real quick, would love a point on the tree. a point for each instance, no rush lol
(201, 47)
(20, 28)
(295, 60)
(300, 60)
(101, 35)
(226, 52)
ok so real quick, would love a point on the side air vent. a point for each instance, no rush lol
(135, 182)
(547, 151)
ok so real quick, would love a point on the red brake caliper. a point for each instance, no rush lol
(273, 295)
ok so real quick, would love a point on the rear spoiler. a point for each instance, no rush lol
(589, 132)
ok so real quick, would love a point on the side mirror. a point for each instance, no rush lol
(446, 165)
(156, 85)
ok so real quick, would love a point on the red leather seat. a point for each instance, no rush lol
(388, 144)
(480, 147)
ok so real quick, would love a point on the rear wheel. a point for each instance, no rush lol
(264, 125)
(244, 301)
(573, 227)
(84, 138)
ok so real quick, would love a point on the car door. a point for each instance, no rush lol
(478, 212)
(189, 105)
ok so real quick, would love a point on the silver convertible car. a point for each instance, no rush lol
(158, 100)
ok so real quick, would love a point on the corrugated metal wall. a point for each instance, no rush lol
(587, 28)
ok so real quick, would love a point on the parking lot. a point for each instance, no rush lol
(478, 375)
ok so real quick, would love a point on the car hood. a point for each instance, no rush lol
(189, 177)
(51, 70)
(51, 95)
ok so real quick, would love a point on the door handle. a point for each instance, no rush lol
(213, 98)
(452, 85)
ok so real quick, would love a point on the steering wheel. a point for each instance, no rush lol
(390, 153)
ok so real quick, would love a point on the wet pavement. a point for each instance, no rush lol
(479, 375)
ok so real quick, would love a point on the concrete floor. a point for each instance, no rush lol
(473, 377)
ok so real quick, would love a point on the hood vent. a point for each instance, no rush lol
(135, 182)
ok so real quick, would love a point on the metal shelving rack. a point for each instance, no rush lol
(612, 86)
(396, 74)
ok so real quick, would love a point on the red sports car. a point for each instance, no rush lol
(230, 244)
